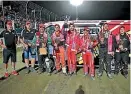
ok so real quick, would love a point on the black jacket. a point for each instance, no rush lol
(105, 45)
(126, 42)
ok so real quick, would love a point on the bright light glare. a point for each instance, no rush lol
(76, 2)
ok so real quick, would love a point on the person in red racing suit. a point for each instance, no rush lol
(87, 55)
(58, 43)
(73, 43)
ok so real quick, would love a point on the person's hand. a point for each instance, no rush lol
(26, 46)
(43, 45)
(91, 44)
(76, 51)
(18, 42)
(102, 42)
(3, 46)
(112, 53)
(84, 49)
(121, 47)
(55, 45)
(29, 44)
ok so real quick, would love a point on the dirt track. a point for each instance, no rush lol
(59, 84)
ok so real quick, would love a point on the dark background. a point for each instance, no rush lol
(89, 10)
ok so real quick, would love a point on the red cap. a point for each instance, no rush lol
(9, 22)
(37, 33)
(41, 25)
(86, 29)
(27, 22)
(57, 25)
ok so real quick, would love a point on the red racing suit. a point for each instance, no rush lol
(87, 55)
(73, 43)
(60, 51)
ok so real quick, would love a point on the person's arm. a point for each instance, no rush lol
(117, 42)
(2, 40)
(95, 43)
(79, 42)
(45, 39)
(128, 43)
(62, 40)
(53, 40)
(16, 38)
(114, 44)
(2, 34)
(2, 45)
(22, 39)
(67, 40)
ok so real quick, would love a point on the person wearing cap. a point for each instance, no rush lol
(87, 55)
(106, 48)
(9, 47)
(122, 52)
(28, 39)
(41, 43)
(73, 45)
(58, 43)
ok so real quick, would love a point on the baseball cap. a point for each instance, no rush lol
(9, 22)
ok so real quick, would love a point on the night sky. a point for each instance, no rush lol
(90, 10)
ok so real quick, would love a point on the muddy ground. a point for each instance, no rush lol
(34, 83)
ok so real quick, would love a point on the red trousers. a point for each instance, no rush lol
(60, 58)
(88, 63)
(71, 59)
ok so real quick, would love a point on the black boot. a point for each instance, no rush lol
(70, 73)
(40, 71)
(27, 70)
(109, 75)
(99, 75)
(56, 71)
(126, 76)
(32, 69)
(75, 73)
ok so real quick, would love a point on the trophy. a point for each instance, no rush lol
(121, 45)
(57, 41)
(42, 45)
(31, 45)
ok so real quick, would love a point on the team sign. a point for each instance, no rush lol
(92, 31)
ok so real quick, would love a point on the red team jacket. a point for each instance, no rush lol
(73, 40)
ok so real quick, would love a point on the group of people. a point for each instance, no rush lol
(44, 45)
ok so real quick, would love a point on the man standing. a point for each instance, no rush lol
(122, 52)
(106, 50)
(73, 43)
(41, 46)
(87, 55)
(58, 42)
(28, 39)
(50, 47)
(9, 47)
